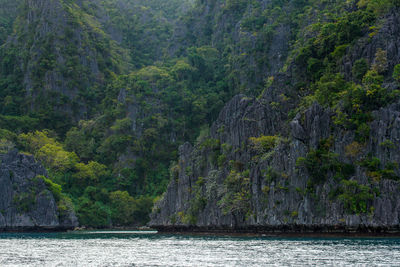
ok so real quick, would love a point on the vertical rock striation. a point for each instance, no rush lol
(25, 201)
(261, 169)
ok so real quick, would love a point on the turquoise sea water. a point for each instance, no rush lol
(151, 249)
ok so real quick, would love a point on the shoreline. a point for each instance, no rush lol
(287, 234)
(282, 231)
(44, 229)
(35, 229)
(309, 232)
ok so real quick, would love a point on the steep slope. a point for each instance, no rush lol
(8, 13)
(318, 151)
(61, 65)
(120, 84)
(57, 62)
(163, 105)
(254, 37)
(142, 27)
(27, 201)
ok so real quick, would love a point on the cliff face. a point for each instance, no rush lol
(25, 200)
(228, 26)
(59, 56)
(263, 169)
(8, 13)
(275, 190)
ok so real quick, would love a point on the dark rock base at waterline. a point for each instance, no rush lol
(287, 230)
(35, 229)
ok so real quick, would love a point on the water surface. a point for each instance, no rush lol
(151, 249)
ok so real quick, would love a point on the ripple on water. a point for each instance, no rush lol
(149, 249)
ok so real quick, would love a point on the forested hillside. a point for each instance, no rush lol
(104, 92)
(314, 145)
(66, 87)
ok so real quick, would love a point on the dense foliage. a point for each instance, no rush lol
(104, 97)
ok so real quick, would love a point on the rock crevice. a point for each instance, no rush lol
(26, 203)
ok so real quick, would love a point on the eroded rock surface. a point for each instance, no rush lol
(25, 201)
(313, 176)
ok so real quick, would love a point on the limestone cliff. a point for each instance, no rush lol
(58, 55)
(264, 168)
(26, 203)
(277, 191)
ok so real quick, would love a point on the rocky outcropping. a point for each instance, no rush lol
(264, 169)
(222, 25)
(26, 203)
(51, 46)
(8, 13)
(295, 185)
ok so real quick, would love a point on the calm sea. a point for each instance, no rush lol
(150, 249)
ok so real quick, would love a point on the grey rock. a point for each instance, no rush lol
(387, 39)
(279, 196)
(46, 29)
(287, 205)
(25, 200)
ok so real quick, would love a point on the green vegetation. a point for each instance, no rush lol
(271, 175)
(353, 101)
(322, 162)
(104, 97)
(355, 197)
(197, 203)
(360, 68)
(263, 143)
(8, 13)
(236, 197)
(396, 73)
(376, 173)
(90, 187)
(25, 201)
(5, 146)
